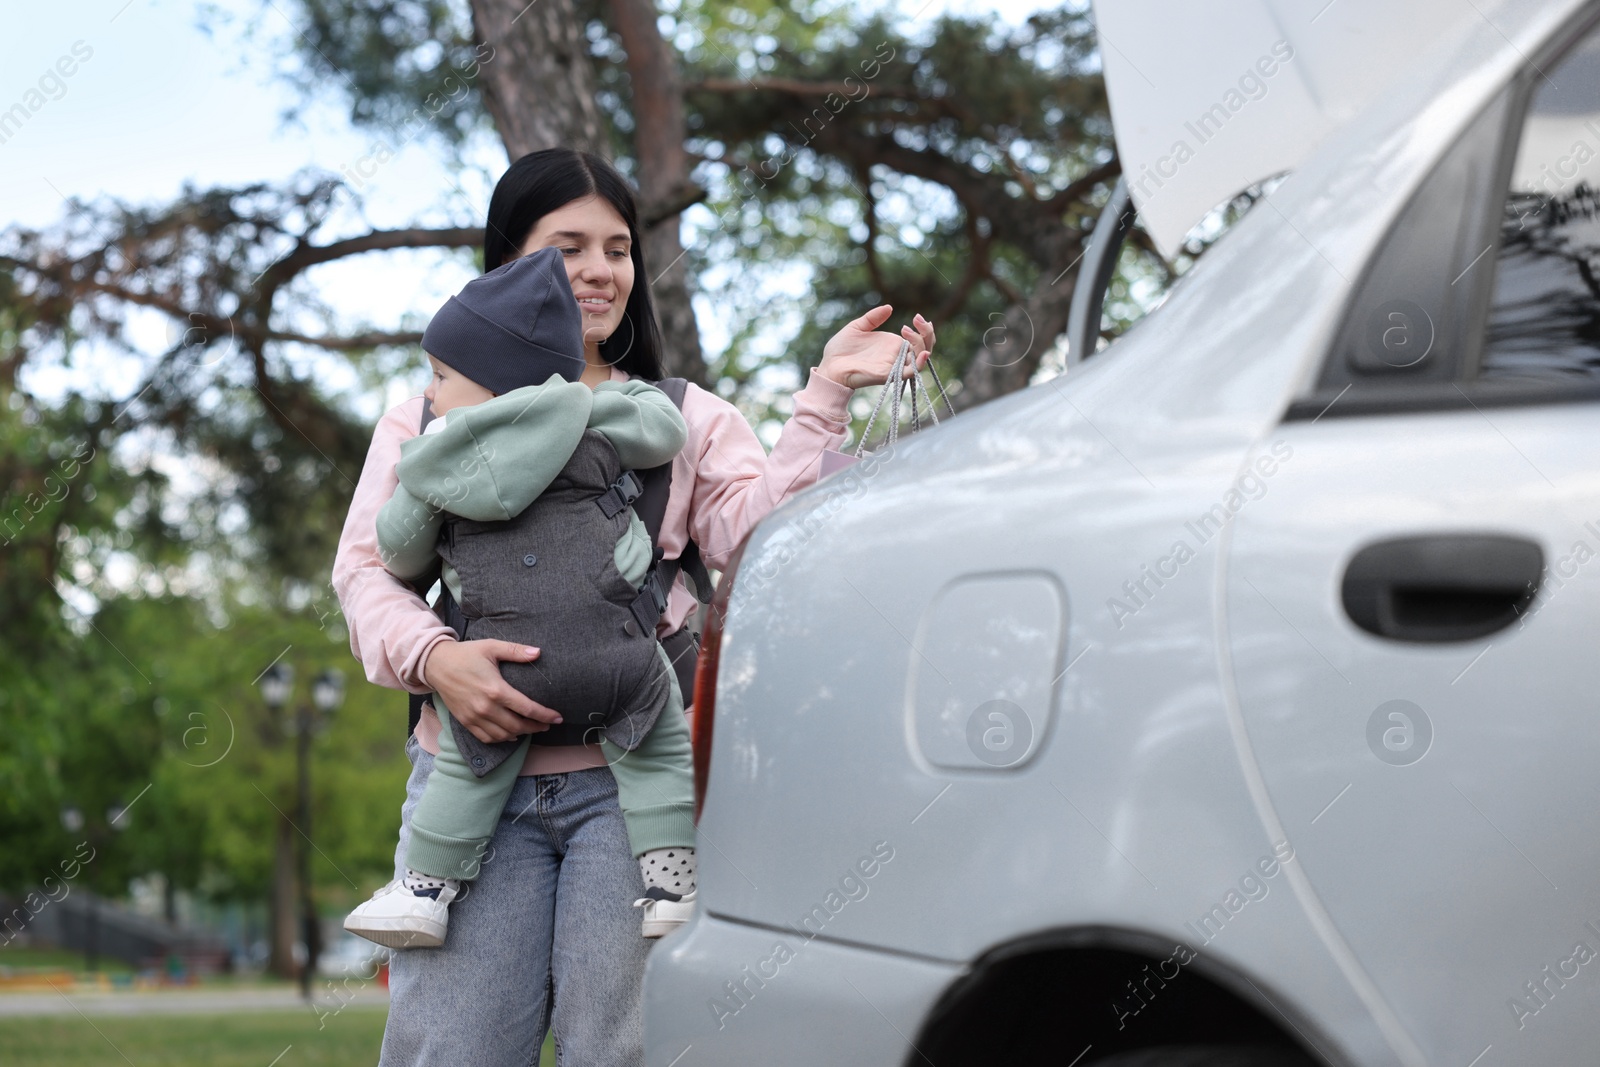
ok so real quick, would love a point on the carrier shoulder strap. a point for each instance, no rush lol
(422, 585)
(651, 507)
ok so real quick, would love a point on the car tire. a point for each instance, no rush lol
(1206, 1056)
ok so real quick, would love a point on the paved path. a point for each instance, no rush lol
(192, 1002)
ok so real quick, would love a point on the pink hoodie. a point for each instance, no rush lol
(723, 483)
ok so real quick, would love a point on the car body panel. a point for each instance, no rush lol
(1156, 782)
(741, 994)
(1447, 849)
(1134, 809)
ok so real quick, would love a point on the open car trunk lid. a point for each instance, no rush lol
(1209, 97)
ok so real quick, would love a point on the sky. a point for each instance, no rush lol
(160, 101)
(135, 98)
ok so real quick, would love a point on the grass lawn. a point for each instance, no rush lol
(256, 1040)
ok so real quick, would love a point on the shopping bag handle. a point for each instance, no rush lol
(895, 385)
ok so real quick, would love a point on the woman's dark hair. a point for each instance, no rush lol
(544, 181)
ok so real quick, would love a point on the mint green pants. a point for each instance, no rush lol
(459, 811)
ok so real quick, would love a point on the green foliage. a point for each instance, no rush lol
(949, 178)
(135, 629)
(67, 708)
(155, 706)
(395, 62)
(228, 766)
(932, 180)
(280, 455)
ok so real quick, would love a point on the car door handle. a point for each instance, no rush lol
(1442, 587)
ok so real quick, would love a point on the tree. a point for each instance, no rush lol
(952, 167)
(135, 618)
(531, 72)
(79, 733)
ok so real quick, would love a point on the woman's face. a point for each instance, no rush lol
(594, 241)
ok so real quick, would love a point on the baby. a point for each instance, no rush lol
(521, 485)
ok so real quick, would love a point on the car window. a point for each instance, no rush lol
(1486, 290)
(1544, 312)
(1412, 322)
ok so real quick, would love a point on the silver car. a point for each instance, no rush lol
(1235, 697)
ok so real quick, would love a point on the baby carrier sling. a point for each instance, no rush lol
(647, 492)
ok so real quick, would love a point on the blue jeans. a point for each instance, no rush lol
(546, 938)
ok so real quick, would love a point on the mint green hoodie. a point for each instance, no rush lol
(491, 460)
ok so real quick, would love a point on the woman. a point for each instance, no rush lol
(548, 933)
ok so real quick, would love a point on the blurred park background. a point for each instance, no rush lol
(224, 226)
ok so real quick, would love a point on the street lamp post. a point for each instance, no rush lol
(327, 693)
(72, 821)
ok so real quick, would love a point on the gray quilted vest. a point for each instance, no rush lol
(548, 577)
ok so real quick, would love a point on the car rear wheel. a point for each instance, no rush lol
(1206, 1056)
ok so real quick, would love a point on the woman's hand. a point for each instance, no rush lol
(467, 675)
(858, 355)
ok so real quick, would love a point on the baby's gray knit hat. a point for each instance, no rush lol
(517, 325)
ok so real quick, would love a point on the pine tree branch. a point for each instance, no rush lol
(308, 255)
(1024, 222)
(938, 105)
(675, 202)
(1085, 185)
(354, 342)
(793, 87)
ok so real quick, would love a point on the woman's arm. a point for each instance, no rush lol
(736, 484)
(392, 630)
(398, 639)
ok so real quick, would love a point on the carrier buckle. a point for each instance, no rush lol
(622, 493)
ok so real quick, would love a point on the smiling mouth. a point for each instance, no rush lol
(595, 302)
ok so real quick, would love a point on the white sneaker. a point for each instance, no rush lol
(664, 912)
(398, 917)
